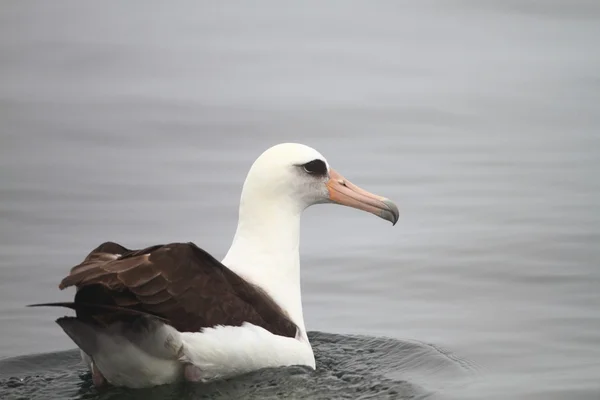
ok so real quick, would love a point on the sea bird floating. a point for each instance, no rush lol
(172, 312)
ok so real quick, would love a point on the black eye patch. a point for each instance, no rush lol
(315, 167)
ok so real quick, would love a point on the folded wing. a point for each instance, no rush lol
(178, 282)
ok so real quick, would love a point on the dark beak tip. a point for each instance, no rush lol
(392, 211)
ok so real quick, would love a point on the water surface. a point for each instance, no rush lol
(138, 122)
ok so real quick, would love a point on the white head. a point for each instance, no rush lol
(282, 182)
(294, 176)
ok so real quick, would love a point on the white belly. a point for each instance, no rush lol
(162, 356)
(227, 351)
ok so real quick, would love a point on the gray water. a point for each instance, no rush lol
(137, 123)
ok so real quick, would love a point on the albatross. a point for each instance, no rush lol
(173, 312)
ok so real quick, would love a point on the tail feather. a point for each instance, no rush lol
(79, 306)
(68, 304)
(82, 333)
(125, 354)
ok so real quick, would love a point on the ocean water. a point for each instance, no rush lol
(137, 123)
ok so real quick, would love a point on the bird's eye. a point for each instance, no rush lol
(315, 167)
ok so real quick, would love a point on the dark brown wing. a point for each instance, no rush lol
(178, 282)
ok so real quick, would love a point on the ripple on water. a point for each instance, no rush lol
(348, 367)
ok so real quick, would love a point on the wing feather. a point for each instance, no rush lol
(178, 282)
(154, 285)
(138, 275)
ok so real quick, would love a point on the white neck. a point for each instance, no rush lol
(265, 250)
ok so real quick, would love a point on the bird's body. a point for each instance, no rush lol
(159, 354)
(172, 312)
(200, 322)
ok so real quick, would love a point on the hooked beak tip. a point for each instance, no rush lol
(392, 213)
